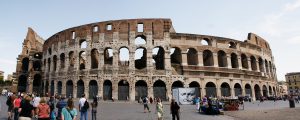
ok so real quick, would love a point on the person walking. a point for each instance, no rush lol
(159, 109)
(69, 112)
(36, 101)
(94, 105)
(145, 102)
(26, 109)
(43, 110)
(60, 105)
(197, 101)
(175, 109)
(17, 104)
(83, 107)
(51, 104)
(10, 106)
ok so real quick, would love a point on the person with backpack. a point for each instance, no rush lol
(51, 104)
(69, 112)
(43, 110)
(145, 102)
(94, 105)
(60, 105)
(26, 109)
(83, 107)
(175, 109)
(10, 105)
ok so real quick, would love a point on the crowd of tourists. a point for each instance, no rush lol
(24, 106)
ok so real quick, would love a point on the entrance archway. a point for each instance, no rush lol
(257, 92)
(270, 90)
(265, 91)
(210, 89)
(69, 89)
(123, 90)
(177, 84)
(80, 88)
(52, 88)
(141, 89)
(37, 84)
(93, 89)
(159, 90)
(248, 90)
(225, 89)
(59, 87)
(107, 90)
(195, 85)
(237, 89)
(22, 83)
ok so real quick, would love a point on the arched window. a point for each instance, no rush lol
(253, 63)
(244, 60)
(205, 41)
(234, 61)
(108, 56)
(124, 56)
(208, 58)
(192, 56)
(158, 55)
(94, 58)
(83, 44)
(222, 59)
(140, 58)
(140, 40)
(82, 60)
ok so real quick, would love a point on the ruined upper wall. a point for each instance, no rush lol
(257, 40)
(123, 27)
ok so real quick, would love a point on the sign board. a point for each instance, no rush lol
(184, 96)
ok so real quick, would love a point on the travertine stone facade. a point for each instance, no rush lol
(128, 59)
(293, 82)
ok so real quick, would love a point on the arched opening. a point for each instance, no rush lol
(261, 65)
(83, 44)
(69, 89)
(52, 88)
(192, 56)
(22, 83)
(62, 60)
(108, 56)
(253, 63)
(54, 62)
(93, 89)
(80, 88)
(158, 55)
(140, 40)
(140, 58)
(267, 66)
(270, 67)
(274, 91)
(123, 90)
(82, 59)
(141, 89)
(210, 89)
(270, 90)
(177, 84)
(59, 88)
(37, 84)
(94, 58)
(159, 90)
(232, 45)
(234, 61)
(205, 41)
(244, 61)
(37, 65)
(208, 59)
(37, 56)
(225, 89)
(49, 64)
(265, 91)
(124, 56)
(176, 60)
(71, 59)
(257, 92)
(25, 64)
(107, 90)
(248, 90)
(222, 58)
(195, 85)
(237, 89)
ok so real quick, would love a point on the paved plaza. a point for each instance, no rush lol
(121, 110)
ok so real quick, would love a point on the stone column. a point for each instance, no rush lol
(132, 90)
(253, 93)
(86, 88)
(200, 58)
(240, 62)
(249, 64)
(54, 86)
(215, 56)
(75, 91)
(150, 91)
(100, 88)
(115, 89)
(229, 61)
(184, 58)
(88, 59)
(257, 66)
(63, 87)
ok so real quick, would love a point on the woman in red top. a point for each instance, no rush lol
(43, 110)
(17, 104)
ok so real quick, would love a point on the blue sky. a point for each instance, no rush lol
(277, 21)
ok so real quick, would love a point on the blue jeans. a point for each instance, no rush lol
(83, 115)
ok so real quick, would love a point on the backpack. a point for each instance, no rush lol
(144, 100)
(8, 102)
(85, 106)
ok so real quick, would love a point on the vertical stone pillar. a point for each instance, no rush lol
(215, 57)
(184, 58)
(200, 58)
(63, 88)
(54, 86)
(218, 91)
(100, 88)
(257, 66)
(229, 61)
(240, 62)
(132, 90)
(249, 64)
(74, 94)
(67, 64)
(88, 59)
(150, 91)
(253, 93)
(115, 89)
(86, 88)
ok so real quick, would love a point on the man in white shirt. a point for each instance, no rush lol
(36, 101)
(83, 111)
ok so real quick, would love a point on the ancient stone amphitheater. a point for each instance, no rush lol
(128, 59)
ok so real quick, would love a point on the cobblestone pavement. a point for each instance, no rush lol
(133, 111)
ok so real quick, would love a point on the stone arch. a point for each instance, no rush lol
(94, 59)
(206, 41)
(234, 61)
(25, 64)
(177, 84)
(82, 60)
(244, 60)
(80, 88)
(210, 89)
(93, 89)
(124, 56)
(248, 90)
(257, 91)
(261, 64)
(192, 56)
(108, 56)
(208, 59)
(176, 60)
(123, 90)
(232, 44)
(54, 62)
(270, 90)
(59, 88)
(225, 89)
(265, 91)
(52, 88)
(37, 84)
(62, 60)
(22, 83)
(69, 89)
(83, 43)
(140, 58)
(237, 89)
(71, 59)
(38, 56)
(49, 64)
(222, 58)
(158, 55)
(253, 63)
(140, 40)
(266, 66)
(37, 65)
(141, 89)
(196, 85)
(160, 90)
(107, 90)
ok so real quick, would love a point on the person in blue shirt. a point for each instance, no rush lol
(69, 112)
(60, 105)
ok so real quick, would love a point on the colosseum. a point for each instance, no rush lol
(127, 59)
